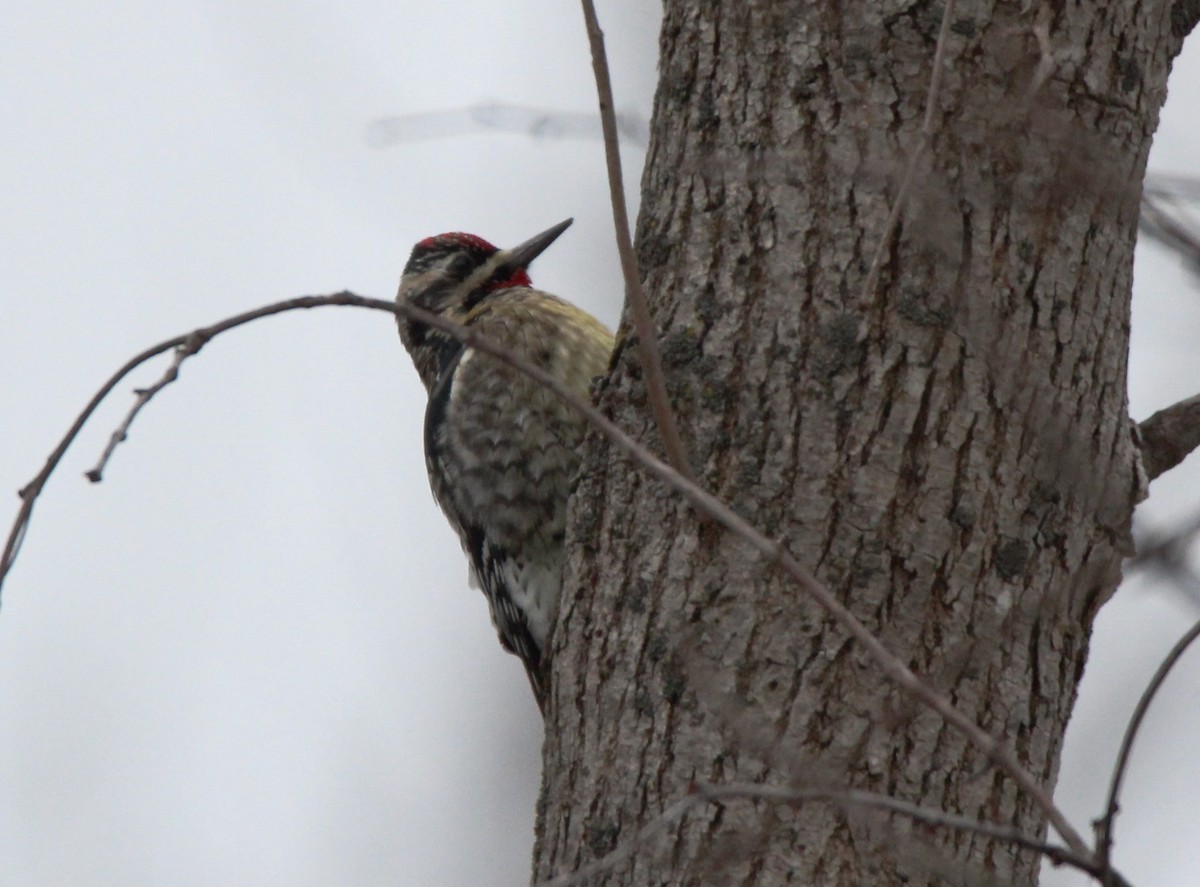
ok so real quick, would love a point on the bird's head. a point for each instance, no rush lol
(449, 274)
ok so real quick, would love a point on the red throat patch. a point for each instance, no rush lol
(519, 278)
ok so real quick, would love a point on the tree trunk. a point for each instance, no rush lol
(948, 450)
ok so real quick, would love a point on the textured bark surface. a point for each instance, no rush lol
(949, 452)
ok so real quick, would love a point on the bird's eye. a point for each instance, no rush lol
(461, 266)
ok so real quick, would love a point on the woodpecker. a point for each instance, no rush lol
(501, 450)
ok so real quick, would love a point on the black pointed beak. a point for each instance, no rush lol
(519, 257)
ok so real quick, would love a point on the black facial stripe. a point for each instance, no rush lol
(449, 353)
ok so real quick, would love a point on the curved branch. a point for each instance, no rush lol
(703, 501)
(1104, 826)
(1169, 436)
(191, 342)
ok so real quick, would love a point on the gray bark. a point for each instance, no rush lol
(950, 451)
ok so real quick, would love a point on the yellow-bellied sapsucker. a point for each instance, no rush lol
(502, 450)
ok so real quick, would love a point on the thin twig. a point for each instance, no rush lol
(182, 352)
(918, 151)
(710, 793)
(704, 502)
(30, 492)
(852, 797)
(1104, 826)
(625, 848)
(635, 294)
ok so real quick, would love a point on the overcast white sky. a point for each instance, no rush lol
(249, 657)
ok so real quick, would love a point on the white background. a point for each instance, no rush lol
(249, 657)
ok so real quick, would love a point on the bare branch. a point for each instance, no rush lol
(635, 294)
(704, 502)
(182, 352)
(931, 97)
(1104, 825)
(710, 793)
(195, 341)
(1170, 435)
